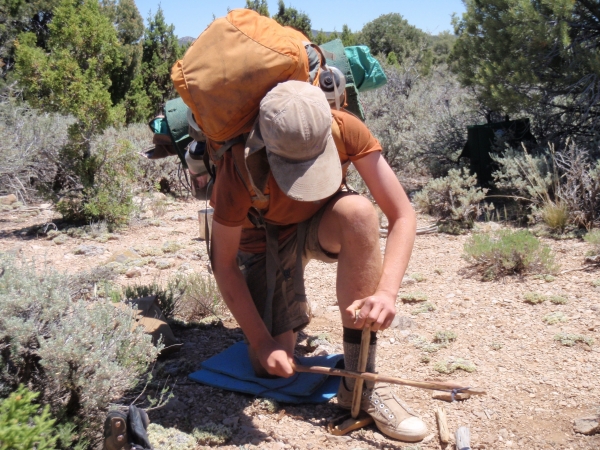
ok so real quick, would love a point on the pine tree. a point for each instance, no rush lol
(73, 77)
(348, 37)
(392, 33)
(129, 24)
(293, 18)
(523, 54)
(19, 16)
(161, 50)
(260, 6)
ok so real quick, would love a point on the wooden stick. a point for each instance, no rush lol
(431, 385)
(442, 422)
(463, 439)
(363, 356)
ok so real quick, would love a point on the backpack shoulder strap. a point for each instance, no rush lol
(254, 172)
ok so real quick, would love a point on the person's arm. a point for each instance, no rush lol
(379, 309)
(233, 287)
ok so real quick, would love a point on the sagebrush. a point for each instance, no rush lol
(508, 252)
(454, 198)
(79, 355)
(561, 187)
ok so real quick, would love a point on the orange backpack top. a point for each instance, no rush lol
(232, 65)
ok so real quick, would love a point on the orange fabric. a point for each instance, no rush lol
(232, 65)
(232, 202)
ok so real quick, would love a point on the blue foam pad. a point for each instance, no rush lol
(231, 370)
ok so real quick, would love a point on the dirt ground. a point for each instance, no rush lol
(535, 386)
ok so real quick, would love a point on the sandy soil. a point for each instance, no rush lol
(536, 386)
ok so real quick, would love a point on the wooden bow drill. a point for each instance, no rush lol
(367, 376)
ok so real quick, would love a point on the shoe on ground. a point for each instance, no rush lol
(391, 416)
(138, 421)
(116, 436)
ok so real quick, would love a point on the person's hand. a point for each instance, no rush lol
(275, 360)
(377, 310)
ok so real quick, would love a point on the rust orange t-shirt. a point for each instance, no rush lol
(232, 201)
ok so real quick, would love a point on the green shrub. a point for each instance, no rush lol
(508, 253)
(554, 183)
(413, 297)
(444, 337)
(555, 216)
(29, 147)
(418, 277)
(79, 355)
(554, 318)
(454, 198)
(534, 298)
(423, 308)
(558, 299)
(593, 238)
(167, 297)
(107, 177)
(448, 367)
(569, 340)
(23, 426)
(201, 299)
(212, 434)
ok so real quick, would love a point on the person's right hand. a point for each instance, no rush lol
(275, 360)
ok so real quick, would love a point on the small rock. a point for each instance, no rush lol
(164, 264)
(8, 199)
(134, 272)
(89, 250)
(587, 425)
(401, 322)
(324, 350)
(159, 196)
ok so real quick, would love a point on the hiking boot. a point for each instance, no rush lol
(138, 422)
(116, 436)
(392, 417)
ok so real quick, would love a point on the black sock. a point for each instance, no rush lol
(351, 341)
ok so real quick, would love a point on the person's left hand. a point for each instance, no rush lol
(377, 310)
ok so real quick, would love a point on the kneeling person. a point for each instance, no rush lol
(263, 238)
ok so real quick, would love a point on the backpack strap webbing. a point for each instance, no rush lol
(254, 172)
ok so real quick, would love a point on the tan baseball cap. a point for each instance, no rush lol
(295, 125)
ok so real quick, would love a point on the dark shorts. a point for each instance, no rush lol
(290, 311)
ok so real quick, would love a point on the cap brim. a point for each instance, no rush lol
(308, 181)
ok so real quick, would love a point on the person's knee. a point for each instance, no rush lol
(359, 219)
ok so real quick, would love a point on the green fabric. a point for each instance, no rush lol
(368, 73)
(159, 125)
(176, 114)
(341, 62)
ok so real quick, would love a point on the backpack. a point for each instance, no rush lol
(232, 65)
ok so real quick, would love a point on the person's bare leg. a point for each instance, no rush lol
(350, 228)
(287, 340)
